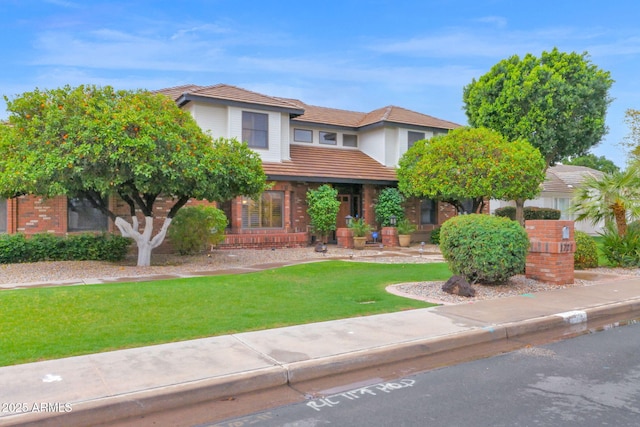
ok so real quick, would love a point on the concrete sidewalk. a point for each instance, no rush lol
(104, 387)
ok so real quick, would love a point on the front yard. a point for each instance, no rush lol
(48, 323)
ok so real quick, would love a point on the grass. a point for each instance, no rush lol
(48, 323)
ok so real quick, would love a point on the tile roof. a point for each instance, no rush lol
(229, 93)
(309, 113)
(565, 178)
(329, 165)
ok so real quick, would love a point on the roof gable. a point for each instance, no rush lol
(222, 93)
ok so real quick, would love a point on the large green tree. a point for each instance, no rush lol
(557, 102)
(92, 142)
(471, 163)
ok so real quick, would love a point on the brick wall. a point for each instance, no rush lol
(550, 257)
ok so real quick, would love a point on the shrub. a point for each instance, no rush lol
(389, 203)
(13, 248)
(483, 248)
(586, 255)
(530, 212)
(195, 228)
(621, 251)
(17, 248)
(435, 236)
(506, 212)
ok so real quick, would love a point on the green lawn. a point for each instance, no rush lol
(48, 323)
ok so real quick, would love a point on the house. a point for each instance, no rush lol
(558, 190)
(301, 146)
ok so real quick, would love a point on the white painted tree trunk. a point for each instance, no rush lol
(145, 242)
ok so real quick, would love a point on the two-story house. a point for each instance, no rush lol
(301, 146)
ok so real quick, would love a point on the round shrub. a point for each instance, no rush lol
(586, 255)
(483, 248)
(194, 228)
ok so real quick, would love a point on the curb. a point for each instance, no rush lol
(424, 354)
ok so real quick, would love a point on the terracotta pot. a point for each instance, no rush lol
(404, 240)
(359, 242)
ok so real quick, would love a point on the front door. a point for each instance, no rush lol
(345, 209)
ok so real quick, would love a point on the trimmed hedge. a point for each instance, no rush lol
(17, 248)
(483, 248)
(530, 212)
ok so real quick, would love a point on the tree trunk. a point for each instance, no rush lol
(520, 211)
(620, 215)
(143, 240)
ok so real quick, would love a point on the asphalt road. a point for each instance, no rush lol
(591, 380)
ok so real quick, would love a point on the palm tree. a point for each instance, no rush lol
(614, 197)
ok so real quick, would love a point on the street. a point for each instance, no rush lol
(591, 380)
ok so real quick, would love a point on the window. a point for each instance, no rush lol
(302, 135)
(350, 140)
(267, 212)
(82, 216)
(3, 215)
(255, 129)
(412, 137)
(428, 212)
(329, 138)
(562, 204)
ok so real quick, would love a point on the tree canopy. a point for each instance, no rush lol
(92, 142)
(557, 102)
(471, 163)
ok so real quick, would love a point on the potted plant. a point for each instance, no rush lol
(323, 210)
(360, 231)
(405, 228)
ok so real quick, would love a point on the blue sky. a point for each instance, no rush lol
(355, 55)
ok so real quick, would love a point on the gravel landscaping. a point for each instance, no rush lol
(68, 271)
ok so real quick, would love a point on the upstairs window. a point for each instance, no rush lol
(328, 138)
(82, 216)
(3, 215)
(266, 212)
(412, 137)
(302, 135)
(350, 140)
(255, 129)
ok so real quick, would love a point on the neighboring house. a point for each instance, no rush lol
(557, 192)
(301, 146)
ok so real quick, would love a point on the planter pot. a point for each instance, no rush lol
(404, 240)
(359, 242)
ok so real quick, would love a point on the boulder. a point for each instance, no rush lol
(458, 285)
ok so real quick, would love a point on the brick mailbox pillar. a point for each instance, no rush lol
(344, 236)
(550, 257)
(390, 237)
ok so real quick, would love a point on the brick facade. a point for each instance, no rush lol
(550, 257)
(33, 214)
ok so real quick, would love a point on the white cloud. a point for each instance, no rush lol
(497, 21)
